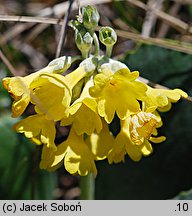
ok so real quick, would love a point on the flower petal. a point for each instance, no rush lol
(37, 125)
(101, 143)
(86, 121)
(76, 154)
(18, 88)
(157, 139)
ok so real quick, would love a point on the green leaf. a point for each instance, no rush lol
(184, 195)
(160, 65)
(17, 166)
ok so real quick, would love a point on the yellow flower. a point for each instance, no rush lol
(123, 146)
(141, 127)
(47, 156)
(51, 93)
(77, 156)
(118, 150)
(101, 143)
(38, 129)
(85, 120)
(51, 96)
(162, 98)
(18, 88)
(83, 114)
(133, 139)
(118, 92)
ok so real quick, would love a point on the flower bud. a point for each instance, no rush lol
(83, 41)
(107, 36)
(90, 17)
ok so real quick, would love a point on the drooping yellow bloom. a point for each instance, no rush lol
(18, 88)
(51, 96)
(51, 93)
(141, 127)
(38, 129)
(133, 139)
(162, 98)
(118, 92)
(123, 145)
(85, 120)
(83, 114)
(101, 143)
(76, 155)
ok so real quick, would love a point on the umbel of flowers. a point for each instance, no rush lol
(87, 100)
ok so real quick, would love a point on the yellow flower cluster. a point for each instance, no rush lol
(87, 100)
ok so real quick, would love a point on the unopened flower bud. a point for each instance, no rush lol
(107, 36)
(84, 42)
(90, 17)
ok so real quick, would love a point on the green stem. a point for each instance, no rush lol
(84, 54)
(96, 42)
(109, 51)
(75, 58)
(87, 185)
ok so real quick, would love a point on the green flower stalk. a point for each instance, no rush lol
(108, 37)
(87, 185)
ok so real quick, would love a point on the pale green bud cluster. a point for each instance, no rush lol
(85, 26)
(90, 18)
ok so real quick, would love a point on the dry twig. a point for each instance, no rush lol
(7, 63)
(31, 19)
(164, 27)
(63, 30)
(174, 22)
(165, 43)
(150, 18)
